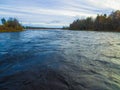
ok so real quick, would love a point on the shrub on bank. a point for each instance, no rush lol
(10, 25)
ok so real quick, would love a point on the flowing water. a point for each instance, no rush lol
(59, 60)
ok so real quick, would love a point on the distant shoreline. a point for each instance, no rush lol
(74, 30)
(29, 27)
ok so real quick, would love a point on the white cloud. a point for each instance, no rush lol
(106, 4)
(64, 11)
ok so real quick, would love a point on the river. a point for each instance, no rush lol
(59, 60)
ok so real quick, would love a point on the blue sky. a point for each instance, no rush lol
(54, 13)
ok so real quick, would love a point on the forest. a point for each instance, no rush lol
(10, 25)
(102, 22)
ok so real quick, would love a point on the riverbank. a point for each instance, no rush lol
(101, 22)
(10, 25)
(10, 29)
(117, 30)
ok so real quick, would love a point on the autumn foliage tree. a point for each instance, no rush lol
(12, 24)
(100, 23)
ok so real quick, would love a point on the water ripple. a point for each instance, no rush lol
(59, 60)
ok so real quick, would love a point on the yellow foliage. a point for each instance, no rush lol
(10, 29)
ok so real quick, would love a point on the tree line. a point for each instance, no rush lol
(12, 24)
(100, 23)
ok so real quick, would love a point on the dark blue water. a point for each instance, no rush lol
(59, 60)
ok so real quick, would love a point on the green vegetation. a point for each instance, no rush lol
(10, 25)
(65, 27)
(100, 23)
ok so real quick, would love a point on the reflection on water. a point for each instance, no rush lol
(59, 60)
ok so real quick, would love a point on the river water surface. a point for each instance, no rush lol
(59, 60)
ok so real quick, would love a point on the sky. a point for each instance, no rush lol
(54, 13)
